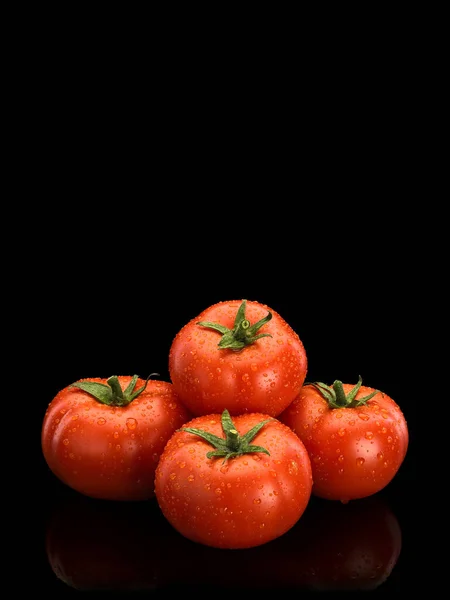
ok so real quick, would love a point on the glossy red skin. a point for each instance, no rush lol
(354, 452)
(263, 377)
(110, 452)
(246, 502)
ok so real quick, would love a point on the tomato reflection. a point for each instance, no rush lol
(352, 546)
(98, 545)
(103, 545)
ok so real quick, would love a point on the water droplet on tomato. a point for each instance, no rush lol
(360, 461)
(66, 442)
(341, 431)
(368, 435)
(131, 423)
(75, 417)
(116, 434)
(363, 416)
(101, 421)
(380, 456)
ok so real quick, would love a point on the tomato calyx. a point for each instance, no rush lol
(234, 444)
(243, 333)
(112, 394)
(337, 398)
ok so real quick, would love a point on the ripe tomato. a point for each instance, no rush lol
(238, 356)
(356, 437)
(241, 494)
(103, 437)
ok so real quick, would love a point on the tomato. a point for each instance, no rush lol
(356, 437)
(104, 437)
(239, 489)
(239, 356)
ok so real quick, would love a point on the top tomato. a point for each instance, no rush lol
(238, 356)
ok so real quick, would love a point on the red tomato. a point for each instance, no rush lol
(238, 356)
(251, 489)
(103, 437)
(356, 437)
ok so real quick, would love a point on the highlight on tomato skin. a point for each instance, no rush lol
(103, 437)
(233, 483)
(237, 355)
(356, 437)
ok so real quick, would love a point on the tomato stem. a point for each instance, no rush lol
(243, 333)
(341, 398)
(117, 393)
(233, 439)
(336, 396)
(112, 394)
(233, 444)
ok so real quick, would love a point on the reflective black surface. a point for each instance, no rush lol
(91, 545)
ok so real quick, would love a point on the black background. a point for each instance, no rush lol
(158, 203)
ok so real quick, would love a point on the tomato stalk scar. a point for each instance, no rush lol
(112, 394)
(337, 398)
(233, 444)
(243, 333)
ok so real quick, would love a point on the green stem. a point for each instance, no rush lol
(336, 396)
(233, 444)
(233, 439)
(243, 333)
(112, 393)
(117, 392)
(341, 398)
